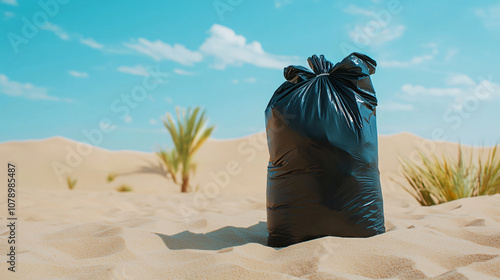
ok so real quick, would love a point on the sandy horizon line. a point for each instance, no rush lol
(211, 139)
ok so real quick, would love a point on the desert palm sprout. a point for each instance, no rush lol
(171, 161)
(188, 134)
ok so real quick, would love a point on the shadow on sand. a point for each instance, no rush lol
(148, 167)
(215, 240)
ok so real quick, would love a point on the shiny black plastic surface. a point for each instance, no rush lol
(323, 176)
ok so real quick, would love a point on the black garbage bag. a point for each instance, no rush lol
(323, 176)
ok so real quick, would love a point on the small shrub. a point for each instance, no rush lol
(124, 188)
(111, 177)
(71, 182)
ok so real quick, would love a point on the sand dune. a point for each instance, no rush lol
(46, 164)
(154, 232)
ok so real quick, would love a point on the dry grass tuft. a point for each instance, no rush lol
(438, 180)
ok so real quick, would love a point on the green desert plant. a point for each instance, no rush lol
(436, 180)
(71, 182)
(171, 161)
(124, 188)
(111, 177)
(188, 134)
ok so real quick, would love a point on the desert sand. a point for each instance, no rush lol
(219, 232)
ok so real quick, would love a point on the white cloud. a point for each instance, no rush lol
(280, 3)
(10, 2)
(137, 70)
(460, 86)
(372, 32)
(224, 45)
(460, 79)
(169, 100)
(153, 121)
(78, 74)
(8, 15)
(389, 34)
(159, 50)
(355, 10)
(127, 119)
(228, 48)
(183, 72)
(26, 90)
(451, 53)
(375, 37)
(395, 106)
(63, 35)
(250, 80)
(490, 15)
(421, 90)
(91, 43)
(56, 30)
(416, 60)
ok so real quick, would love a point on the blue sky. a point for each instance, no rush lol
(77, 68)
